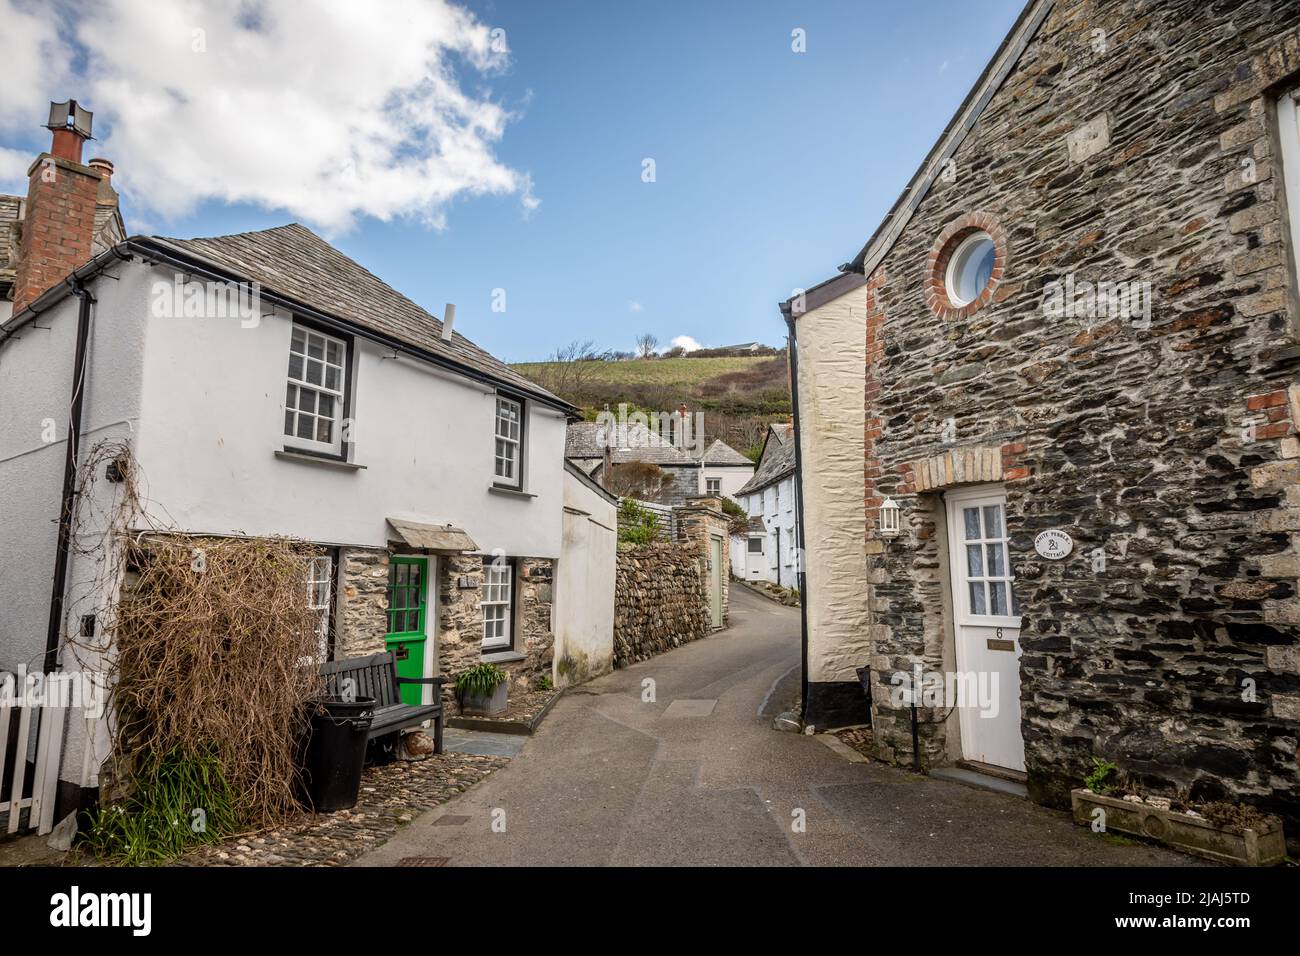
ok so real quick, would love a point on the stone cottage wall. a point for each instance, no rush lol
(535, 627)
(362, 621)
(1131, 143)
(660, 600)
(460, 620)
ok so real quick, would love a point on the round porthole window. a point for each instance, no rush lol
(970, 269)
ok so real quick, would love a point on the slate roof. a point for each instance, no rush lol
(777, 462)
(295, 262)
(720, 453)
(586, 440)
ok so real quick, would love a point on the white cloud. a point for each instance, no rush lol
(687, 343)
(943, 67)
(13, 171)
(35, 64)
(327, 111)
(634, 306)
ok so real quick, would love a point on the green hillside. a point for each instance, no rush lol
(739, 396)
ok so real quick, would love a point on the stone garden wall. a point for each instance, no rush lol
(1132, 142)
(659, 600)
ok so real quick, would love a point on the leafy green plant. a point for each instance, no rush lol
(545, 683)
(481, 680)
(180, 800)
(1101, 771)
(636, 525)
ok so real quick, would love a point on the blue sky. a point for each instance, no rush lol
(772, 167)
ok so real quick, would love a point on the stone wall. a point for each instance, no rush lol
(697, 522)
(660, 600)
(361, 621)
(535, 634)
(460, 619)
(1132, 142)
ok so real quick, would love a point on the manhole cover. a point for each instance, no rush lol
(450, 820)
(422, 861)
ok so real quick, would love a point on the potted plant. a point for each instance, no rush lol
(482, 690)
(1225, 833)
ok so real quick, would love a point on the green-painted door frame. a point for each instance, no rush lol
(408, 605)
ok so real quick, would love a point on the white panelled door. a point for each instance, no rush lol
(987, 626)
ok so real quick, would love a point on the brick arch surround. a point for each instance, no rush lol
(936, 264)
(911, 621)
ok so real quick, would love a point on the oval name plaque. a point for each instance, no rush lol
(1053, 545)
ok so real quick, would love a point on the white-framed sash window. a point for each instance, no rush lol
(509, 441)
(314, 399)
(497, 603)
(320, 590)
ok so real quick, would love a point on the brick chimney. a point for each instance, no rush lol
(59, 225)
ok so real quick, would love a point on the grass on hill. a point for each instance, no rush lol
(739, 396)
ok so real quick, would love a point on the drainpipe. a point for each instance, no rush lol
(69, 477)
(801, 574)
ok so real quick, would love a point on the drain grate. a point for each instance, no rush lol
(423, 861)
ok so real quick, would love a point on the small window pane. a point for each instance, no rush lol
(314, 373)
(974, 561)
(316, 347)
(977, 605)
(997, 564)
(972, 518)
(288, 423)
(993, 521)
(305, 426)
(295, 366)
(325, 430)
(998, 589)
(332, 378)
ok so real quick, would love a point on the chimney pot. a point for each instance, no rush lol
(104, 166)
(71, 126)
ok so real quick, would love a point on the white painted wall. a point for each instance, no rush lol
(732, 478)
(779, 561)
(832, 354)
(585, 581)
(425, 438)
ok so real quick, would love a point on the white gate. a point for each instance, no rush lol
(26, 725)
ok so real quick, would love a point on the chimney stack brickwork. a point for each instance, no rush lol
(58, 228)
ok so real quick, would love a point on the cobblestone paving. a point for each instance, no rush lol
(391, 796)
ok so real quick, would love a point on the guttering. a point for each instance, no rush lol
(798, 510)
(59, 586)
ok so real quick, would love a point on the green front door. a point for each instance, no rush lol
(407, 605)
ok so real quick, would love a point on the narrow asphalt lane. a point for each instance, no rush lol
(674, 761)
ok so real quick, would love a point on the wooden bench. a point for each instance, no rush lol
(376, 676)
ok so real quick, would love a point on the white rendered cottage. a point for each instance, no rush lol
(769, 549)
(327, 408)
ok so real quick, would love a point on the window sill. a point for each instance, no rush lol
(510, 492)
(503, 657)
(288, 454)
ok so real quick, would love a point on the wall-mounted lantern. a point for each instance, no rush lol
(889, 514)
